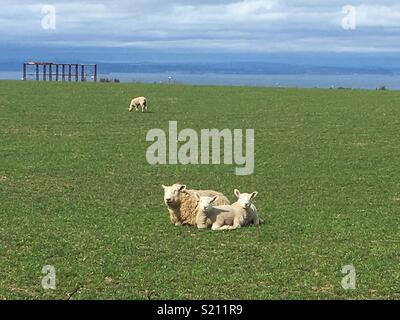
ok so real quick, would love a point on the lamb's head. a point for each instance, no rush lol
(206, 203)
(172, 195)
(244, 199)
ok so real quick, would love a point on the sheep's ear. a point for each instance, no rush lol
(254, 194)
(214, 198)
(237, 193)
(197, 195)
(182, 188)
(163, 186)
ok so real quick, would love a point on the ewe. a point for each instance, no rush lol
(183, 204)
(138, 102)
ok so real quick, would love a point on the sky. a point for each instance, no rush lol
(248, 26)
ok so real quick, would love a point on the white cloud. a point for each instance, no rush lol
(378, 16)
(248, 11)
(254, 25)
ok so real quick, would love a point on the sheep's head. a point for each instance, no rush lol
(244, 199)
(171, 195)
(206, 203)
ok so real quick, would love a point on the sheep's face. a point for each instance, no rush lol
(244, 199)
(206, 203)
(171, 194)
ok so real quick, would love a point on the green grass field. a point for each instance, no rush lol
(76, 192)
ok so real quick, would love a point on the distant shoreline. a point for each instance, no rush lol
(361, 81)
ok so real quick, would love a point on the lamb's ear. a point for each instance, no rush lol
(253, 195)
(163, 186)
(236, 192)
(214, 198)
(182, 188)
(197, 195)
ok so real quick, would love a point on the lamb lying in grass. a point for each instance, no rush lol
(245, 202)
(138, 102)
(217, 217)
(227, 217)
(183, 205)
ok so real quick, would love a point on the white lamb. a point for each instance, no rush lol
(138, 102)
(227, 217)
(245, 202)
(217, 217)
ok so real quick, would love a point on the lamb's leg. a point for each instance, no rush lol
(227, 227)
(217, 226)
(236, 224)
(234, 227)
(220, 226)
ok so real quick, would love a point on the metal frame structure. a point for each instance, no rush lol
(49, 71)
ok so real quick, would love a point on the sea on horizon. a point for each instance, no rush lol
(353, 81)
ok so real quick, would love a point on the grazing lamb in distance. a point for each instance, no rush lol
(183, 204)
(138, 102)
(227, 217)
